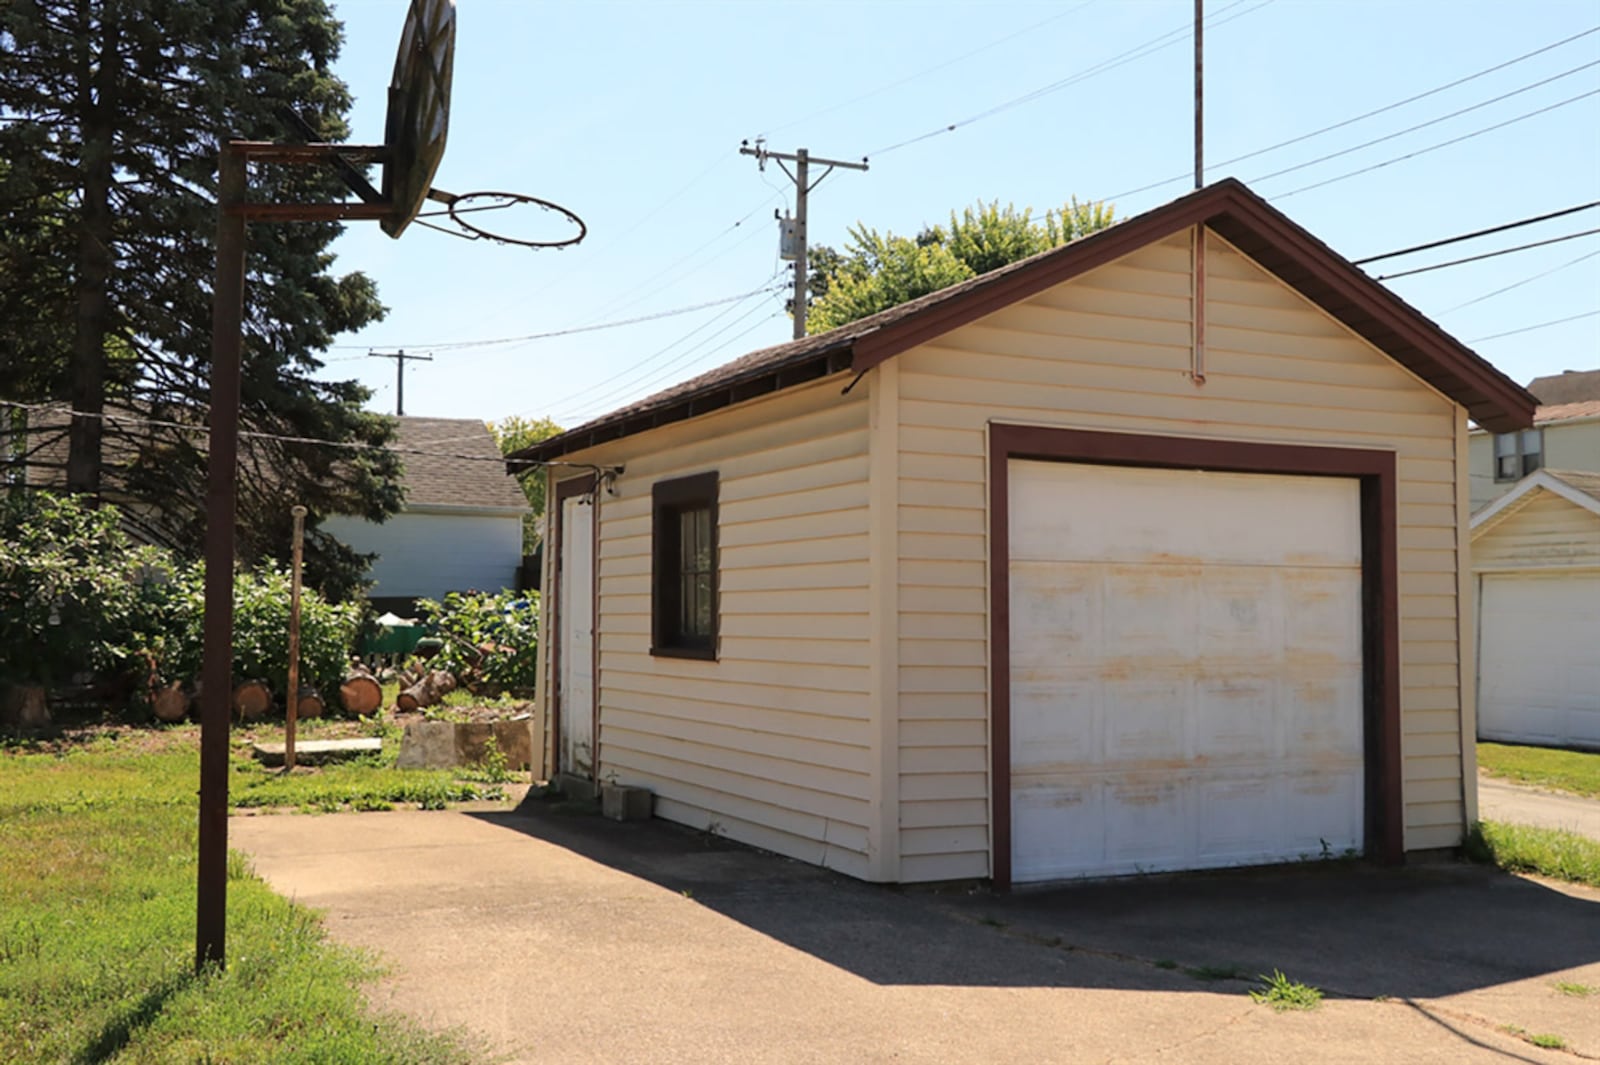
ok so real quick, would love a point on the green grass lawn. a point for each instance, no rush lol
(1577, 772)
(97, 905)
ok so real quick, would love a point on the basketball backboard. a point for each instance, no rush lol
(419, 109)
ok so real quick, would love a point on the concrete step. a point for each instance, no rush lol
(318, 752)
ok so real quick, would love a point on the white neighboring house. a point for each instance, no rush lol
(1536, 559)
(460, 527)
(1565, 436)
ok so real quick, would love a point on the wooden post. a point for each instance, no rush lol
(291, 699)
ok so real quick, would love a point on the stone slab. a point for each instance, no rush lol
(318, 752)
(447, 744)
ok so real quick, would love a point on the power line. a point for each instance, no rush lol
(1531, 328)
(1519, 284)
(1477, 233)
(1436, 147)
(459, 345)
(928, 70)
(1431, 122)
(1133, 54)
(1366, 114)
(1487, 255)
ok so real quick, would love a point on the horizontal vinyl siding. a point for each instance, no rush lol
(1110, 351)
(1543, 532)
(431, 554)
(770, 744)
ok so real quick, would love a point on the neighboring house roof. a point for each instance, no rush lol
(456, 467)
(1570, 386)
(1576, 487)
(1228, 208)
(1567, 412)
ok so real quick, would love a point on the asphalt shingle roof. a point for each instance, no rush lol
(1566, 412)
(459, 467)
(1585, 482)
(1573, 386)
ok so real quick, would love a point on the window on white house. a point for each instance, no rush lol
(684, 567)
(1518, 454)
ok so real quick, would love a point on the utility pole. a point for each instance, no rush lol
(801, 176)
(400, 359)
(1199, 97)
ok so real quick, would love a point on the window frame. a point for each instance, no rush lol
(1519, 452)
(669, 499)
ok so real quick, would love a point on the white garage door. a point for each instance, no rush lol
(1186, 674)
(1539, 658)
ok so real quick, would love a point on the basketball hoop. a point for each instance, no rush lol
(481, 203)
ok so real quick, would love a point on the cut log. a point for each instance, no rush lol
(252, 700)
(310, 704)
(427, 691)
(170, 703)
(24, 706)
(360, 694)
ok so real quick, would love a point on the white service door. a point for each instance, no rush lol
(1186, 669)
(575, 609)
(1539, 658)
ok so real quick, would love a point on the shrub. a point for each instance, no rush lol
(498, 635)
(76, 596)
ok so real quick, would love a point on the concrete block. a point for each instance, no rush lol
(578, 789)
(428, 745)
(622, 803)
(318, 752)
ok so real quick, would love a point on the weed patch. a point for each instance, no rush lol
(1574, 989)
(1551, 852)
(1210, 973)
(1282, 993)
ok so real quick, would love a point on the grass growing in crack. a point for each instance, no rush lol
(1166, 963)
(1210, 973)
(1575, 989)
(1577, 772)
(1548, 1041)
(1551, 852)
(1282, 993)
(991, 921)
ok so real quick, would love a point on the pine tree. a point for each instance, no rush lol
(111, 115)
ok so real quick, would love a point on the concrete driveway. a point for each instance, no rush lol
(563, 938)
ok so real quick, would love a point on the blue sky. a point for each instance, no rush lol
(631, 114)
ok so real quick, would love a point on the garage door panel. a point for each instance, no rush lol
(1236, 718)
(1149, 612)
(1539, 658)
(1187, 683)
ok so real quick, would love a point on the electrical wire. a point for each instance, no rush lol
(1133, 54)
(462, 345)
(929, 70)
(1364, 115)
(1519, 223)
(1519, 284)
(1436, 147)
(1531, 328)
(1431, 122)
(1487, 255)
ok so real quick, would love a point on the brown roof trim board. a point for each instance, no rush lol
(1227, 207)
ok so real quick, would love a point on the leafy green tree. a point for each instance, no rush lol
(514, 434)
(878, 271)
(111, 114)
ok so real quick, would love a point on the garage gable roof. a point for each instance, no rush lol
(1227, 207)
(1578, 488)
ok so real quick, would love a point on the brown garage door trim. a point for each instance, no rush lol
(1379, 577)
(565, 490)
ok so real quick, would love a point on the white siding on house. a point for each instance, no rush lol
(1567, 446)
(423, 553)
(1110, 350)
(772, 743)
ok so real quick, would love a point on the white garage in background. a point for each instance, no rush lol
(1536, 556)
(1186, 669)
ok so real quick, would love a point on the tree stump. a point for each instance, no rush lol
(170, 703)
(427, 691)
(24, 706)
(252, 700)
(310, 703)
(360, 694)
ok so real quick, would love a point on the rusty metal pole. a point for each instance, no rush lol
(227, 325)
(292, 700)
